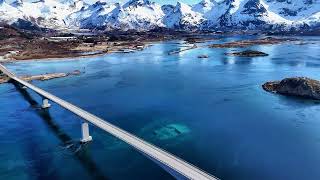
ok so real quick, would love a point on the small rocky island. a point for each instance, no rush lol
(252, 42)
(296, 86)
(248, 53)
(203, 56)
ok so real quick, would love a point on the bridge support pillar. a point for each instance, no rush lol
(45, 103)
(85, 132)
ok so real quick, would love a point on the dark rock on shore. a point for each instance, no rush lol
(192, 40)
(75, 73)
(297, 86)
(248, 53)
(203, 56)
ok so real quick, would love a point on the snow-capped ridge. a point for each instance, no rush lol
(182, 16)
(204, 6)
(142, 15)
(137, 3)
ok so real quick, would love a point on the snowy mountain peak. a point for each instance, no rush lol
(17, 3)
(181, 17)
(99, 3)
(182, 6)
(204, 6)
(167, 8)
(206, 3)
(294, 9)
(137, 3)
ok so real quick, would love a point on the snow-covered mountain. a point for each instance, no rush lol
(146, 15)
(44, 13)
(251, 14)
(182, 17)
(135, 14)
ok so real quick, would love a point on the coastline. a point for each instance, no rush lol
(21, 46)
(43, 48)
(72, 58)
(18, 45)
(65, 58)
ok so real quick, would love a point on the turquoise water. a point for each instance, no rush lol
(211, 112)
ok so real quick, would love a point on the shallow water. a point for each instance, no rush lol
(211, 112)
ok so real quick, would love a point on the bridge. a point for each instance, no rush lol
(177, 167)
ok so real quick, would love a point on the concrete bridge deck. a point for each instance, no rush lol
(177, 167)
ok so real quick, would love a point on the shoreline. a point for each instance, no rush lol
(54, 59)
(68, 58)
(65, 58)
(94, 46)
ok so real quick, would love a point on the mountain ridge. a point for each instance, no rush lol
(144, 15)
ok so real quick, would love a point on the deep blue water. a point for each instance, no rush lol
(228, 125)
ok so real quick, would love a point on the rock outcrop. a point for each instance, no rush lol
(44, 77)
(252, 42)
(296, 86)
(203, 56)
(248, 53)
(41, 77)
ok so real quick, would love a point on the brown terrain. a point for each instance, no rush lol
(16, 44)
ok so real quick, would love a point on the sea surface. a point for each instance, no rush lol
(211, 112)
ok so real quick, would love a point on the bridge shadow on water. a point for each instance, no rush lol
(80, 151)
